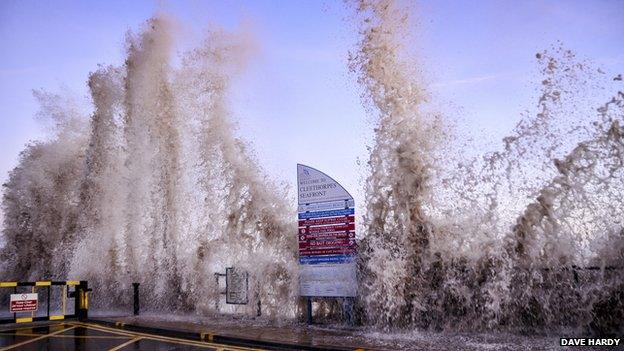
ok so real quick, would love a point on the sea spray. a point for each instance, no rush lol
(569, 245)
(506, 241)
(397, 235)
(145, 104)
(160, 191)
(101, 221)
(40, 199)
(164, 193)
(251, 232)
(150, 118)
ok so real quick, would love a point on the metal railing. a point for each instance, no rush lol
(80, 294)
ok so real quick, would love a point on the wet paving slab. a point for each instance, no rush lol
(173, 333)
(59, 337)
(78, 338)
(147, 344)
(260, 332)
(83, 336)
(17, 335)
(342, 337)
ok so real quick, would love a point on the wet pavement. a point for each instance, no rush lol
(180, 334)
(261, 330)
(171, 332)
(82, 336)
(333, 336)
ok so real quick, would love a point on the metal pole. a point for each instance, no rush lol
(135, 286)
(218, 292)
(348, 303)
(64, 299)
(32, 314)
(15, 292)
(48, 301)
(259, 300)
(309, 310)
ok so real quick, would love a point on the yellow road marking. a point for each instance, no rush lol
(23, 320)
(43, 283)
(56, 325)
(99, 328)
(7, 284)
(35, 339)
(73, 282)
(172, 340)
(16, 329)
(70, 336)
(57, 317)
(126, 344)
(119, 335)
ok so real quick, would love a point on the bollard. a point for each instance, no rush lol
(81, 301)
(48, 300)
(135, 286)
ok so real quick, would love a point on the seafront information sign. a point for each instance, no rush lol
(327, 247)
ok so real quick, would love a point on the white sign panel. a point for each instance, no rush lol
(326, 233)
(24, 302)
(327, 279)
(235, 286)
(316, 186)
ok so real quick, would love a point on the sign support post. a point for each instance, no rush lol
(309, 310)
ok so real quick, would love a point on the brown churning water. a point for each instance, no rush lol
(529, 238)
(157, 189)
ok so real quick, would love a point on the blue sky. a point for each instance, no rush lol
(298, 102)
